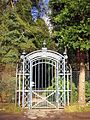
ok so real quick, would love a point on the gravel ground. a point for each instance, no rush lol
(45, 115)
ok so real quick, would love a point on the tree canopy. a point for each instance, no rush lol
(70, 19)
(18, 31)
(71, 22)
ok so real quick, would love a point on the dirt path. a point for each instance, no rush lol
(46, 115)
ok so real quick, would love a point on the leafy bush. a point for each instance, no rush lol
(77, 108)
(60, 84)
(9, 107)
(87, 90)
(74, 93)
(7, 90)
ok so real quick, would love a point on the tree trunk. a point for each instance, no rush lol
(81, 87)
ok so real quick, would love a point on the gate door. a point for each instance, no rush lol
(43, 80)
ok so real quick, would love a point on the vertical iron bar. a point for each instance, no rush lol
(48, 77)
(23, 85)
(16, 86)
(52, 81)
(42, 73)
(55, 82)
(45, 74)
(35, 81)
(30, 93)
(70, 84)
(57, 90)
(19, 88)
(67, 89)
(38, 74)
(32, 83)
(49, 65)
(64, 81)
(35, 76)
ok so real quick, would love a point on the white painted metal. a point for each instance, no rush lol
(19, 89)
(44, 81)
(23, 86)
(16, 86)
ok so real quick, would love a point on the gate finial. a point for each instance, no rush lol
(44, 49)
(65, 53)
(44, 43)
(23, 54)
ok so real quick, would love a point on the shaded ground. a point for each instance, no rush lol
(46, 115)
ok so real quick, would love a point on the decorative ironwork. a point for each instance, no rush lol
(43, 80)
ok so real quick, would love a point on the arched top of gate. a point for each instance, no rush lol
(44, 53)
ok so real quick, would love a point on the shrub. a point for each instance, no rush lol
(87, 90)
(7, 90)
(60, 83)
(77, 108)
(9, 107)
(74, 93)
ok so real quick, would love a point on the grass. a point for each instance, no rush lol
(77, 108)
(9, 108)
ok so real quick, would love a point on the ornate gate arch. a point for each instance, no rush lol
(43, 80)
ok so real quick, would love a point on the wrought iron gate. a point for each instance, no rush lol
(43, 80)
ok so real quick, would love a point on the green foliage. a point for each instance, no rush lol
(9, 108)
(77, 108)
(87, 90)
(61, 84)
(23, 8)
(18, 32)
(74, 93)
(71, 22)
(7, 89)
(53, 86)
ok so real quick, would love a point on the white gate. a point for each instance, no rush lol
(43, 80)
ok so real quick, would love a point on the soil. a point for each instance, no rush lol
(45, 115)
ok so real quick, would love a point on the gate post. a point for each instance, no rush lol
(30, 90)
(23, 71)
(65, 75)
(16, 86)
(57, 87)
(23, 87)
(70, 84)
(64, 82)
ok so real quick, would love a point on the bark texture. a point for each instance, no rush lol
(81, 87)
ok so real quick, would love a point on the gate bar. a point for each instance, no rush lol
(67, 89)
(44, 99)
(64, 82)
(19, 88)
(23, 84)
(16, 86)
(30, 93)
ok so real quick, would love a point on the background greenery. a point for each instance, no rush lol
(18, 32)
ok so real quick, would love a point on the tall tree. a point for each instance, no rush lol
(70, 19)
(18, 32)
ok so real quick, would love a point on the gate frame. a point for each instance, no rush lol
(20, 76)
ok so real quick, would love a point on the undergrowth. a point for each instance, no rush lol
(9, 108)
(77, 108)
